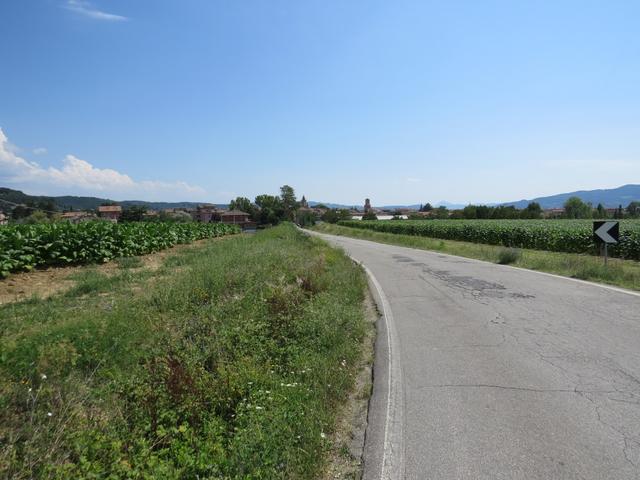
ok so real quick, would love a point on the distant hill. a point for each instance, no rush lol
(83, 203)
(415, 206)
(610, 198)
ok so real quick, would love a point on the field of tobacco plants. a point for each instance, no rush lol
(571, 236)
(24, 247)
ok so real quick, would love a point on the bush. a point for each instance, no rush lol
(507, 256)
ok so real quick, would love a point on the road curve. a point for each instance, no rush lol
(504, 373)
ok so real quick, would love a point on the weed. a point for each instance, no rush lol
(129, 262)
(507, 256)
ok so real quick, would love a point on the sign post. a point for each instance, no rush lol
(607, 233)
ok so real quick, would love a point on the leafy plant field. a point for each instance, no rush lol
(228, 362)
(571, 236)
(23, 247)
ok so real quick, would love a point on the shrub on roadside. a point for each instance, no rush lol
(507, 256)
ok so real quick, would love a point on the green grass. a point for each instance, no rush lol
(622, 273)
(129, 262)
(227, 362)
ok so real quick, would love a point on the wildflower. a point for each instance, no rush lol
(323, 435)
(43, 376)
(49, 414)
(30, 389)
(259, 408)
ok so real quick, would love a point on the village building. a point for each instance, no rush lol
(237, 217)
(77, 216)
(110, 212)
(367, 205)
(4, 220)
(234, 217)
(206, 214)
(151, 214)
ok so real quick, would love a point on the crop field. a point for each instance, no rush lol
(570, 236)
(231, 360)
(23, 247)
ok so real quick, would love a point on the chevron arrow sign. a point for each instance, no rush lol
(606, 232)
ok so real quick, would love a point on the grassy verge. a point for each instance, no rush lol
(622, 273)
(229, 361)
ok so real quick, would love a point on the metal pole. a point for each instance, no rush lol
(605, 253)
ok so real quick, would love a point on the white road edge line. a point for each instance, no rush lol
(392, 467)
(393, 448)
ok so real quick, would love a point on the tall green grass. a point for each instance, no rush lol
(228, 362)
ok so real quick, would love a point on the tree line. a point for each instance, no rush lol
(574, 208)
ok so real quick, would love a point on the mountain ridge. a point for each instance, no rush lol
(609, 197)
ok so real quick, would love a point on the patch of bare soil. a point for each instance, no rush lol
(345, 457)
(47, 282)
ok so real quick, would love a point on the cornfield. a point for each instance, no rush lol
(571, 236)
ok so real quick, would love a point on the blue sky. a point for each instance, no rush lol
(402, 101)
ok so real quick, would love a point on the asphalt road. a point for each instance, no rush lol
(491, 372)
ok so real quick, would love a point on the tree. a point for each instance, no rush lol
(619, 213)
(441, 212)
(244, 205)
(289, 202)
(470, 212)
(305, 218)
(271, 209)
(134, 213)
(330, 216)
(334, 215)
(38, 216)
(601, 212)
(633, 209)
(510, 212)
(533, 210)
(574, 207)
(426, 207)
(369, 216)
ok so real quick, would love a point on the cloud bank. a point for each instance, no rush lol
(77, 175)
(85, 8)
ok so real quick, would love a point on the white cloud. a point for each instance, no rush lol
(39, 151)
(85, 8)
(77, 174)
